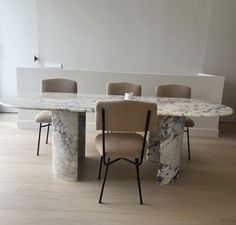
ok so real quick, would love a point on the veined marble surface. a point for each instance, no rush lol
(165, 145)
(65, 144)
(87, 103)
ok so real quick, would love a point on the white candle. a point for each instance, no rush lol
(129, 95)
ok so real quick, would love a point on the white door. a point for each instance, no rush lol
(18, 40)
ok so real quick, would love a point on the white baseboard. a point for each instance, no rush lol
(90, 126)
(26, 124)
(204, 132)
(5, 109)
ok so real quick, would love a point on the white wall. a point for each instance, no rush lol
(151, 36)
(221, 49)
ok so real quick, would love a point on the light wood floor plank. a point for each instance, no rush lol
(30, 194)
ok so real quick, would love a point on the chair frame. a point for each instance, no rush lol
(187, 131)
(49, 124)
(39, 136)
(137, 161)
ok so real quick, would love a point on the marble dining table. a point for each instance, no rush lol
(69, 128)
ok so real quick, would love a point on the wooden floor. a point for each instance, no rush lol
(30, 194)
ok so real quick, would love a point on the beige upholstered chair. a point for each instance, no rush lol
(122, 87)
(177, 91)
(119, 121)
(52, 85)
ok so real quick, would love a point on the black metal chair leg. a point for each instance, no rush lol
(100, 168)
(47, 133)
(40, 128)
(189, 156)
(139, 185)
(103, 185)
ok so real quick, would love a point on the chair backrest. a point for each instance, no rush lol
(126, 115)
(59, 85)
(173, 91)
(122, 87)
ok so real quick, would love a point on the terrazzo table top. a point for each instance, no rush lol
(87, 103)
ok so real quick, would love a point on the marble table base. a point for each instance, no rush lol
(165, 145)
(68, 143)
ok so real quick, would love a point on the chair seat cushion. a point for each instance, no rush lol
(121, 145)
(189, 122)
(43, 117)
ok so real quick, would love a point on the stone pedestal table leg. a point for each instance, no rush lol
(165, 146)
(68, 143)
